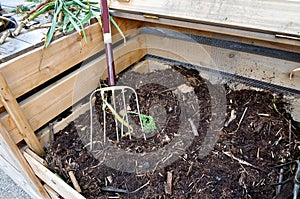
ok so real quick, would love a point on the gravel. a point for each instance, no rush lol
(9, 189)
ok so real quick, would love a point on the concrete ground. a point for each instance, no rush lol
(9, 189)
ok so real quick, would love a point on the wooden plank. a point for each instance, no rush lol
(14, 164)
(35, 156)
(258, 67)
(208, 30)
(295, 108)
(39, 110)
(44, 134)
(51, 192)
(18, 118)
(252, 14)
(34, 68)
(51, 179)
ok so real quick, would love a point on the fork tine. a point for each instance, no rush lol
(116, 121)
(125, 109)
(120, 121)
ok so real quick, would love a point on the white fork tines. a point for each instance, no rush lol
(121, 120)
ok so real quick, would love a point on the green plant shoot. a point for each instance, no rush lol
(147, 121)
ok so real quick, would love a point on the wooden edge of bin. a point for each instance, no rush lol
(19, 170)
(31, 69)
(39, 110)
(15, 112)
(52, 180)
(253, 66)
(53, 194)
(254, 16)
(246, 36)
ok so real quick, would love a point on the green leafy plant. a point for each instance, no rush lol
(68, 15)
(147, 121)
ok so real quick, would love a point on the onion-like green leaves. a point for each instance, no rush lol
(75, 14)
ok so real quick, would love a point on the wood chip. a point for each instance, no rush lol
(168, 186)
(74, 181)
(183, 88)
(194, 128)
(109, 179)
(232, 117)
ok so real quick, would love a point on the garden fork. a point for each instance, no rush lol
(121, 120)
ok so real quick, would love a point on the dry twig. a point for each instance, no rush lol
(243, 162)
(168, 186)
(74, 181)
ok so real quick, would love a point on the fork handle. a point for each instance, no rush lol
(108, 43)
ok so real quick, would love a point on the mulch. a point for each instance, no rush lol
(252, 133)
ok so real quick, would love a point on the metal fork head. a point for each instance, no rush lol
(114, 101)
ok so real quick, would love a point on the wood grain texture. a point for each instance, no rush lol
(51, 101)
(33, 68)
(208, 30)
(14, 164)
(53, 194)
(270, 16)
(51, 179)
(18, 118)
(253, 66)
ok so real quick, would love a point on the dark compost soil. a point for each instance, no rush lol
(241, 163)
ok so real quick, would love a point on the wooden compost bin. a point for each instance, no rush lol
(53, 73)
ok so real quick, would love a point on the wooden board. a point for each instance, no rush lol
(14, 164)
(268, 16)
(253, 66)
(209, 30)
(35, 67)
(52, 180)
(44, 134)
(18, 118)
(39, 110)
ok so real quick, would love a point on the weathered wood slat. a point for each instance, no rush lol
(251, 14)
(211, 31)
(39, 110)
(51, 179)
(18, 118)
(34, 68)
(14, 164)
(53, 194)
(44, 134)
(253, 66)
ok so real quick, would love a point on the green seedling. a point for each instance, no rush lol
(148, 122)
